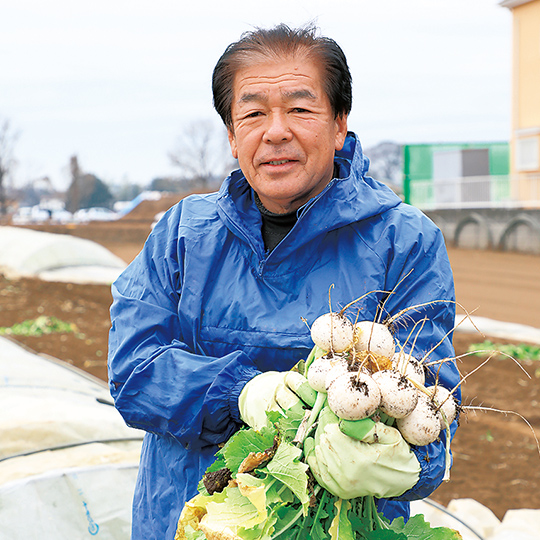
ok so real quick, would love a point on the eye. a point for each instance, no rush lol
(300, 110)
(253, 114)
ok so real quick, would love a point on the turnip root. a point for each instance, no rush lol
(409, 366)
(374, 337)
(398, 396)
(372, 361)
(332, 332)
(354, 396)
(422, 426)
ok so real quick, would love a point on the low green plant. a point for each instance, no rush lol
(39, 326)
(518, 351)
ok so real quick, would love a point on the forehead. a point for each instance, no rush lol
(262, 75)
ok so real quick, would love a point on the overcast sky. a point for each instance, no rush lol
(115, 82)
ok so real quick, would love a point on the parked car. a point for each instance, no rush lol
(30, 214)
(61, 216)
(94, 214)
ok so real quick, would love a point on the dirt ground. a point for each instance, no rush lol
(496, 460)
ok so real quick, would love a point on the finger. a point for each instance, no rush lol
(386, 435)
(299, 385)
(357, 429)
(285, 398)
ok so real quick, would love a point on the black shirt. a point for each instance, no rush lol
(275, 227)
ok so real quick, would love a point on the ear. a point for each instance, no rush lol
(232, 143)
(341, 131)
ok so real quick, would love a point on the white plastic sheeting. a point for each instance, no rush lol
(68, 462)
(504, 330)
(72, 504)
(475, 521)
(56, 257)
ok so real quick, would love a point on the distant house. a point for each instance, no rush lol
(456, 175)
(525, 138)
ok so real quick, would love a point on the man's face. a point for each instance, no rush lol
(284, 132)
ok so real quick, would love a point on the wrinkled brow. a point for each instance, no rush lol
(289, 95)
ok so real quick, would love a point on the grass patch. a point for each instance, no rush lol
(519, 352)
(40, 326)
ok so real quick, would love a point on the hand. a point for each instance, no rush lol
(273, 391)
(381, 463)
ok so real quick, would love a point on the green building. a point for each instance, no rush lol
(456, 173)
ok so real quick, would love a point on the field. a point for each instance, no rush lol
(496, 460)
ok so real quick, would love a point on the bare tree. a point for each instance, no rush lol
(386, 162)
(86, 189)
(203, 153)
(7, 161)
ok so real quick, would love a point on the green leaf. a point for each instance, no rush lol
(219, 463)
(300, 367)
(235, 511)
(341, 528)
(418, 529)
(288, 518)
(385, 534)
(318, 531)
(245, 441)
(288, 469)
(288, 425)
(263, 531)
(358, 523)
(194, 535)
(277, 493)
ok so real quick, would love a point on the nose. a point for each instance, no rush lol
(277, 129)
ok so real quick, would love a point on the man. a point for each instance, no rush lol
(220, 290)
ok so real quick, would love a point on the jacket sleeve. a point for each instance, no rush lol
(158, 383)
(419, 274)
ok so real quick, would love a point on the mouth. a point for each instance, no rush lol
(278, 162)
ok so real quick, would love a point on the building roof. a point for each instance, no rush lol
(510, 4)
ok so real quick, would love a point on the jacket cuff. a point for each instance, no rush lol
(432, 459)
(246, 375)
(428, 481)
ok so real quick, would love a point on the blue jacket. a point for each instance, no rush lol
(203, 309)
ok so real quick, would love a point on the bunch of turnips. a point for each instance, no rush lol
(314, 466)
(362, 369)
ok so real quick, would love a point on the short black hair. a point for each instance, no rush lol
(279, 42)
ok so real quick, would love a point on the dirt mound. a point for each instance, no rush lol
(146, 210)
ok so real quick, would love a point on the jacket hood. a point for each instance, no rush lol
(349, 198)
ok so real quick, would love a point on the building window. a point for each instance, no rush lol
(527, 155)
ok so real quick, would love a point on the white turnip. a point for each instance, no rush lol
(319, 369)
(409, 366)
(332, 332)
(374, 337)
(422, 426)
(340, 368)
(398, 396)
(354, 396)
(445, 402)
